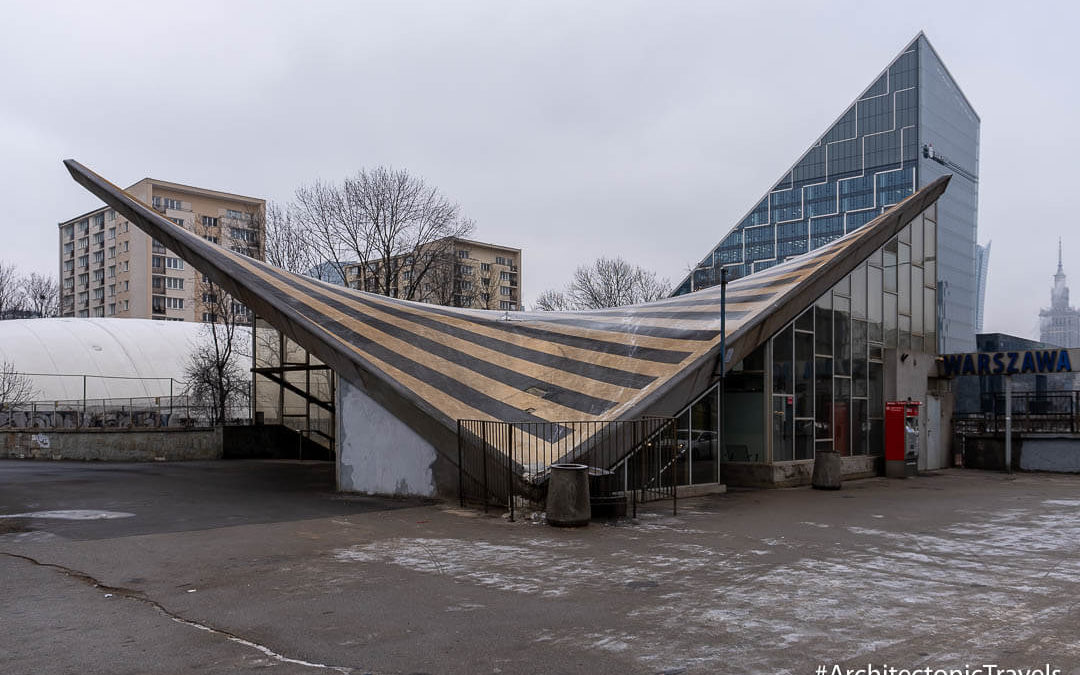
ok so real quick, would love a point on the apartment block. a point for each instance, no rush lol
(453, 272)
(110, 269)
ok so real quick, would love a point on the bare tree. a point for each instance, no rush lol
(288, 244)
(396, 228)
(552, 301)
(16, 389)
(11, 294)
(40, 295)
(606, 282)
(214, 377)
(330, 226)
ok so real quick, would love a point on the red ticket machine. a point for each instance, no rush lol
(901, 438)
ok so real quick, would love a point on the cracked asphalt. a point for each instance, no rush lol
(238, 567)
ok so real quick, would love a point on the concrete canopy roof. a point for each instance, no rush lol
(431, 366)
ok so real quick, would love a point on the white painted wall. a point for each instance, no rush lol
(377, 452)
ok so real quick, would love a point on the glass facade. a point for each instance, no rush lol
(871, 158)
(291, 387)
(819, 382)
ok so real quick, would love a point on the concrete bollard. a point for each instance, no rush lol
(568, 496)
(827, 469)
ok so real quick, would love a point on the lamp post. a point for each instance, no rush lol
(723, 366)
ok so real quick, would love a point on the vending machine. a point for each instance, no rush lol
(901, 438)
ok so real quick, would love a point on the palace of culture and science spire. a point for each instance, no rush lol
(1059, 325)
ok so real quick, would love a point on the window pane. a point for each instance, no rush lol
(782, 362)
(744, 410)
(823, 335)
(804, 374)
(682, 463)
(823, 398)
(916, 299)
(841, 421)
(929, 240)
(916, 241)
(842, 336)
(889, 253)
(783, 429)
(876, 372)
(874, 307)
(858, 292)
(930, 317)
(860, 427)
(904, 291)
(890, 319)
(843, 287)
(804, 439)
(703, 438)
(805, 320)
(858, 358)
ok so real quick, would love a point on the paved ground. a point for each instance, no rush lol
(256, 566)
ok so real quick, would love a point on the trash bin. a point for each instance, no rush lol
(568, 496)
(827, 470)
(606, 496)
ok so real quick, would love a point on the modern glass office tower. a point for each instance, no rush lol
(982, 269)
(910, 126)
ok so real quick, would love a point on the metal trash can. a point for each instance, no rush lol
(606, 496)
(827, 470)
(568, 496)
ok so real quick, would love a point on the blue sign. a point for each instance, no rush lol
(1041, 361)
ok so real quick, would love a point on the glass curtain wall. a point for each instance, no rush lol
(826, 389)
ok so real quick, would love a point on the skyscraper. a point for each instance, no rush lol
(982, 268)
(1060, 324)
(910, 126)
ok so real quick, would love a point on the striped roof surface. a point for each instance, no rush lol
(433, 365)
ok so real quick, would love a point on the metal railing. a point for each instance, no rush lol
(503, 463)
(115, 413)
(1032, 412)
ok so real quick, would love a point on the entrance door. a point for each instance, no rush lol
(936, 449)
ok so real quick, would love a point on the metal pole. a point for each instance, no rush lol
(510, 472)
(1008, 424)
(83, 416)
(723, 368)
(674, 467)
(484, 457)
(636, 458)
(461, 467)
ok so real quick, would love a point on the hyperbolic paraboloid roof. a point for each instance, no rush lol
(431, 365)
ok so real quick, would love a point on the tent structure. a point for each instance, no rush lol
(427, 366)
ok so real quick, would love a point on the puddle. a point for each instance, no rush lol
(72, 514)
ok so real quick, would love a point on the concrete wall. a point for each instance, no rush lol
(380, 454)
(120, 445)
(1059, 453)
(793, 474)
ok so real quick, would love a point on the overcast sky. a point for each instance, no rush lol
(568, 129)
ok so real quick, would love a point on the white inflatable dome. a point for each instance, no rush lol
(118, 356)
